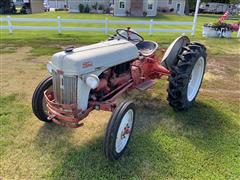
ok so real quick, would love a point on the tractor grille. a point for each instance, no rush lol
(65, 88)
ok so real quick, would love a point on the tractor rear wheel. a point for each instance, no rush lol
(119, 130)
(187, 76)
(38, 100)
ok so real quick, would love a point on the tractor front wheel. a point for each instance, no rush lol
(119, 130)
(38, 100)
(187, 76)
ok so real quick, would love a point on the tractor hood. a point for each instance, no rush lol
(94, 57)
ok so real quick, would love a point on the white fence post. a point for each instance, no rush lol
(59, 24)
(106, 26)
(195, 17)
(238, 35)
(10, 28)
(151, 27)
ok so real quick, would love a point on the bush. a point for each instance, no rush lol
(171, 10)
(87, 9)
(7, 7)
(25, 10)
(164, 10)
(128, 13)
(81, 8)
(107, 10)
(60, 9)
(218, 26)
(144, 13)
(101, 7)
(95, 6)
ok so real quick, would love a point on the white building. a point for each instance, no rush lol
(57, 4)
(126, 7)
(147, 7)
(178, 6)
(135, 7)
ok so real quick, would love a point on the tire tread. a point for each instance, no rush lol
(37, 99)
(180, 77)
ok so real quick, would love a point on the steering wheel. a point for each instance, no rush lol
(129, 34)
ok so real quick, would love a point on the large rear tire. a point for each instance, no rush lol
(187, 76)
(38, 100)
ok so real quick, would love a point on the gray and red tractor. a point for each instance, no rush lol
(94, 76)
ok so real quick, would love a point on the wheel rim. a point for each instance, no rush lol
(124, 131)
(196, 78)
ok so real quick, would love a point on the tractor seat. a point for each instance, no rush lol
(147, 48)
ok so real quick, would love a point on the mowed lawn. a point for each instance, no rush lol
(202, 143)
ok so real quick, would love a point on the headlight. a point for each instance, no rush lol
(92, 81)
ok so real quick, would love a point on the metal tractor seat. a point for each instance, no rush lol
(147, 48)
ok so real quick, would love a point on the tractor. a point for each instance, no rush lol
(93, 77)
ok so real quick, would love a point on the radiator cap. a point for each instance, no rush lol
(69, 49)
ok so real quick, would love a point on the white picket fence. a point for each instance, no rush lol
(106, 23)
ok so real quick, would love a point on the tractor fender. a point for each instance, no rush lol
(170, 56)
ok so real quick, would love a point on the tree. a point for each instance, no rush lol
(218, 1)
(187, 7)
(234, 1)
(7, 7)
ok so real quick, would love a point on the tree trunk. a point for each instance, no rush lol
(187, 7)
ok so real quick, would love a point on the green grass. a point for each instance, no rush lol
(202, 143)
(44, 51)
(37, 38)
(71, 37)
(13, 114)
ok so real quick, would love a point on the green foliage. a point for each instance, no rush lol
(87, 9)
(220, 1)
(7, 7)
(107, 10)
(234, 1)
(101, 7)
(81, 8)
(144, 13)
(217, 1)
(95, 6)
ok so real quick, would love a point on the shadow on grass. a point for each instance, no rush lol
(210, 126)
(56, 132)
(206, 125)
(88, 161)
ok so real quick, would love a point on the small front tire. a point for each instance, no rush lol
(119, 130)
(38, 100)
